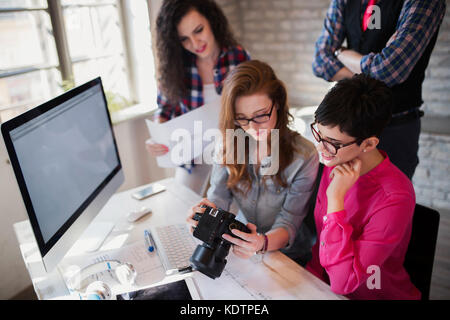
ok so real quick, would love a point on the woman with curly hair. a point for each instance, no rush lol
(195, 50)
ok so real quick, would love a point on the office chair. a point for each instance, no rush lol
(420, 254)
(309, 219)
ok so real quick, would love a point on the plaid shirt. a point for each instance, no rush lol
(228, 59)
(417, 23)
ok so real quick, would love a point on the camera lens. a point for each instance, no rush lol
(210, 261)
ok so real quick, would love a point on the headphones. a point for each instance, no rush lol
(99, 290)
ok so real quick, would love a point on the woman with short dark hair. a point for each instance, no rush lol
(365, 204)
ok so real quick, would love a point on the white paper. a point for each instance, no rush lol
(263, 277)
(245, 279)
(147, 265)
(194, 124)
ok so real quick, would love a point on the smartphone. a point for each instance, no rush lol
(148, 191)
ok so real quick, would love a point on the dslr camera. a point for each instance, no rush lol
(209, 257)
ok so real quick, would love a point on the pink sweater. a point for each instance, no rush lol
(360, 250)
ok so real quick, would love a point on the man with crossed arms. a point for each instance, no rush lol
(395, 49)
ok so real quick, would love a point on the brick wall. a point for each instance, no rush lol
(436, 86)
(432, 178)
(231, 10)
(283, 34)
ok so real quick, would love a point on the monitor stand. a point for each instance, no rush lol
(95, 235)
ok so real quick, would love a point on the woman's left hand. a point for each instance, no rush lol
(343, 177)
(248, 244)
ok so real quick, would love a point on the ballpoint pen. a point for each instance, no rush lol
(149, 240)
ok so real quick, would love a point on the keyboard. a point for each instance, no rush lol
(175, 245)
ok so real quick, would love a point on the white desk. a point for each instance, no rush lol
(170, 207)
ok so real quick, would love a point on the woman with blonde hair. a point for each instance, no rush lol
(271, 183)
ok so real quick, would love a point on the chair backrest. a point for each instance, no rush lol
(309, 219)
(422, 246)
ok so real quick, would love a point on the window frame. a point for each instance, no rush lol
(55, 10)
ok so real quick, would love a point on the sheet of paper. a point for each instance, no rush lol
(272, 276)
(191, 126)
(147, 265)
(243, 279)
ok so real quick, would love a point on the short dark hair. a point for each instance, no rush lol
(360, 106)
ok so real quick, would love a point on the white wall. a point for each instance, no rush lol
(138, 167)
(14, 277)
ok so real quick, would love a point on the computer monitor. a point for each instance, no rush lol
(66, 162)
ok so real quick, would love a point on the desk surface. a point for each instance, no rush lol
(170, 207)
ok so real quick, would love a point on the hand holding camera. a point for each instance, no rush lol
(252, 242)
(198, 209)
(212, 227)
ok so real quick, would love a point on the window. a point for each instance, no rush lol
(47, 45)
(95, 44)
(28, 58)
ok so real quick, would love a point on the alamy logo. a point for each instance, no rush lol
(374, 280)
(374, 21)
(206, 147)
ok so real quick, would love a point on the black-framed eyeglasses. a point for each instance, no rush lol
(262, 118)
(328, 145)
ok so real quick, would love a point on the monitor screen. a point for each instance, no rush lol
(63, 154)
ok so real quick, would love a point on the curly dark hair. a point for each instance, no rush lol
(172, 56)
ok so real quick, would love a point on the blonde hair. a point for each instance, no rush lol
(249, 78)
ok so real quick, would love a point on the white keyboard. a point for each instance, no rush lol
(175, 245)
